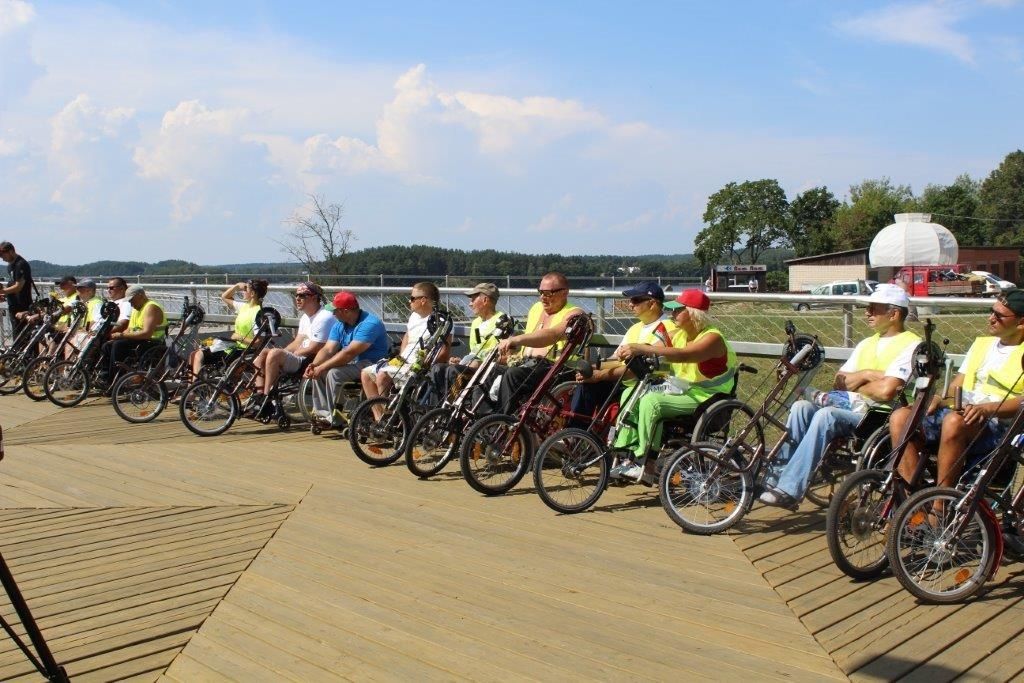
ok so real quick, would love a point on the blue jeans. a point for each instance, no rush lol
(811, 428)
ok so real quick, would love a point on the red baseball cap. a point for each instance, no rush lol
(345, 301)
(690, 298)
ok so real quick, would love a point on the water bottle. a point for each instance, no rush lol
(672, 386)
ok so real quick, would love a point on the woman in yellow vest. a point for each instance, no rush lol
(992, 383)
(702, 365)
(253, 292)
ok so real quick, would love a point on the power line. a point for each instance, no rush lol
(984, 220)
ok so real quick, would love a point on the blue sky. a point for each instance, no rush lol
(151, 130)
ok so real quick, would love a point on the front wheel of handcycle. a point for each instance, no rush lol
(856, 523)
(702, 493)
(12, 370)
(433, 442)
(495, 454)
(34, 378)
(727, 419)
(207, 410)
(138, 398)
(929, 559)
(378, 442)
(66, 383)
(570, 470)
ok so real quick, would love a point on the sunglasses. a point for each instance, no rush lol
(1002, 315)
(303, 295)
(550, 292)
(414, 298)
(637, 300)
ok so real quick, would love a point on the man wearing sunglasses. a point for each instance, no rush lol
(990, 379)
(544, 338)
(877, 370)
(315, 326)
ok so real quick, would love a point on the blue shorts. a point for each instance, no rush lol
(991, 434)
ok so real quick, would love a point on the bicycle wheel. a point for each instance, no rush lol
(12, 368)
(728, 418)
(929, 560)
(433, 442)
(570, 471)
(33, 380)
(877, 448)
(378, 442)
(138, 398)
(495, 455)
(206, 410)
(856, 523)
(826, 478)
(66, 383)
(701, 495)
(304, 399)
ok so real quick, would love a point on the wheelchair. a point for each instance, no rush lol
(25, 348)
(350, 395)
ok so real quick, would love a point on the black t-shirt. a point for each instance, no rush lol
(20, 270)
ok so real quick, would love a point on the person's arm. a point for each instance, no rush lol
(538, 338)
(296, 343)
(707, 347)
(14, 287)
(343, 357)
(152, 319)
(881, 390)
(228, 295)
(853, 381)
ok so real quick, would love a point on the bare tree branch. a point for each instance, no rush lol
(316, 238)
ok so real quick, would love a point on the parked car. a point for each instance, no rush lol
(838, 288)
(994, 286)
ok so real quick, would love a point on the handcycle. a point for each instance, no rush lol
(707, 487)
(497, 451)
(572, 467)
(209, 406)
(27, 345)
(434, 440)
(33, 381)
(863, 505)
(142, 395)
(380, 441)
(68, 382)
(944, 544)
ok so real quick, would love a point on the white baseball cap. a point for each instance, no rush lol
(891, 295)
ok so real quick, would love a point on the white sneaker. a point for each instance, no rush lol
(632, 471)
(324, 415)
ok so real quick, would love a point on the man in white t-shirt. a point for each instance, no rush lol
(877, 370)
(116, 288)
(992, 384)
(314, 329)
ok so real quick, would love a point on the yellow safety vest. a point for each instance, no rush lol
(244, 322)
(93, 313)
(135, 321)
(1005, 378)
(66, 301)
(633, 336)
(702, 386)
(870, 359)
(486, 328)
(533, 323)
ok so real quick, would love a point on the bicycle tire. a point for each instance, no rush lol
(725, 418)
(854, 527)
(204, 402)
(570, 470)
(12, 369)
(490, 463)
(381, 442)
(433, 442)
(33, 381)
(138, 398)
(66, 383)
(921, 528)
(702, 496)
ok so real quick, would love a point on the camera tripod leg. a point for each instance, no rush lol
(45, 664)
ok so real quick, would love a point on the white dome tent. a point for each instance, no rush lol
(913, 240)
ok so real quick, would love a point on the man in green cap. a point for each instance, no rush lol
(992, 381)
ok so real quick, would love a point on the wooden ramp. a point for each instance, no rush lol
(263, 555)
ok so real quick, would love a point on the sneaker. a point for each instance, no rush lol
(631, 470)
(779, 499)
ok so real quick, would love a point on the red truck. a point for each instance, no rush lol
(948, 280)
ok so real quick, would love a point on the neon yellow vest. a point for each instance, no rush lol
(533, 323)
(1005, 378)
(633, 336)
(66, 301)
(486, 328)
(702, 386)
(244, 322)
(135, 321)
(870, 359)
(93, 307)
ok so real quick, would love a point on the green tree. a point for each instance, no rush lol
(872, 206)
(812, 222)
(1002, 198)
(743, 220)
(955, 206)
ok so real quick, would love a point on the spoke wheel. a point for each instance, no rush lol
(856, 524)
(304, 399)
(34, 378)
(206, 410)
(494, 455)
(433, 442)
(66, 383)
(701, 495)
(932, 562)
(827, 477)
(139, 398)
(12, 369)
(378, 442)
(726, 419)
(570, 471)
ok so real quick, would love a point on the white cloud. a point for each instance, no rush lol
(14, 14)
(930, 25)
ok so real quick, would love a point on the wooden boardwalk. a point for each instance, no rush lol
(148, 553)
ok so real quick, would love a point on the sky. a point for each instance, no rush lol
(151, 130)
